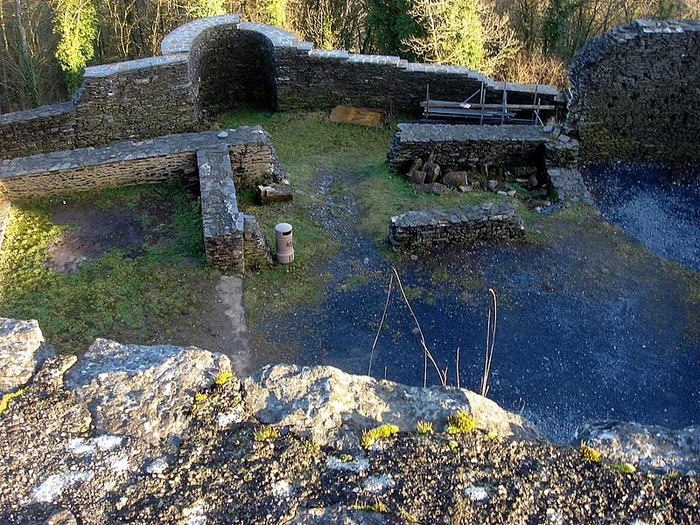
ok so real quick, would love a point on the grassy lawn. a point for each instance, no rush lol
(147, 295)
(128, 295)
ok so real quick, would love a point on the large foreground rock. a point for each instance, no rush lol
(650, 448)
(330, 406)
(22, 352)
(143, 391)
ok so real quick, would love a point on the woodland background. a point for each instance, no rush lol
(46, 44)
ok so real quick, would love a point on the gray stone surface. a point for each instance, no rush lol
(22, 352)
(647, 448)
(331, 406)
(635, 92)
(465, 224)
(143, 391)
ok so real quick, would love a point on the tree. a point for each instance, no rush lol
(75, 21)
(453, 32)
(205, 8)
(389, 25)
(273, 12)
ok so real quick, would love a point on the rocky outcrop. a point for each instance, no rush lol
(651, 448)
(332, 408)
(22, 352)
(79, 445)
(143, 391)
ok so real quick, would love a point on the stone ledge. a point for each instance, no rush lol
(180, 39)
(465, 224)
(106, 70)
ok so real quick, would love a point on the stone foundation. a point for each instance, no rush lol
(464, 225)
(469, 147)
(244, 157)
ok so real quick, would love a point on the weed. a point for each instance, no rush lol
(377, 506)
(490, 343)
(492, 434)
(342, 456)
(461, 423)
(624, 468)
(454, 446)
(369, 437)
(221, 378)
(424, 427)
(200, 397)
(589, 453)
(310, 446)
(266, 433)
(4, 402)
(406, 516)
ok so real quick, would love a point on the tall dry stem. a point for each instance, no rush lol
(490, 343)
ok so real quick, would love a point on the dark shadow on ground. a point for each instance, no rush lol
(592, 325)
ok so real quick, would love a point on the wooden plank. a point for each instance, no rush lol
(359, 116)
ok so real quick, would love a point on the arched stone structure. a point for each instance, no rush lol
(635, 92)
(231, 67)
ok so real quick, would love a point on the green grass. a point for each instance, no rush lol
(127, 297)
(308, 145)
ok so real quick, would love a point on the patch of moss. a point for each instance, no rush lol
(221, 378)
(589, 453)
(461, 423)
(5, 401)
(424, 427)
(266, 433)
(369, 437)
(377, 506)
(624, 468)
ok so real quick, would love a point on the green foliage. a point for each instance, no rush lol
(389, 25)
(453, 32)
(369, 437)
(273, 12)
(205, 8)
(4, 402)
(266, 433)
(461, 423)
(75, 21)
(589, 453)
(200, 397)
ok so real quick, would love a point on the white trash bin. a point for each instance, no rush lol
(284, 243)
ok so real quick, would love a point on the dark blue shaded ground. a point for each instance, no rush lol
(591, 324)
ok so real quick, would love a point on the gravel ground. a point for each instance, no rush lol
(584, 332)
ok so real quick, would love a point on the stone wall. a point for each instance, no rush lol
(636, 92)
(230, 67)
(40, 130)
(468, 147)
(464, 225)
(222, 62)
(134, 100)
(234, 242)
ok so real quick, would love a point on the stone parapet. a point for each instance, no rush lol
(464, 225)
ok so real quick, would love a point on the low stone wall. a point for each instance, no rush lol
(464, 225)
(468, 147)
(234, 242)
(40, 130)
(635, 93)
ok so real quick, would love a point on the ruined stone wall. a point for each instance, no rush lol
(232, 67)
(134, 100)
(221, 62)
(469, 147)
(636, 93)
(40, 130)
(464, 225)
